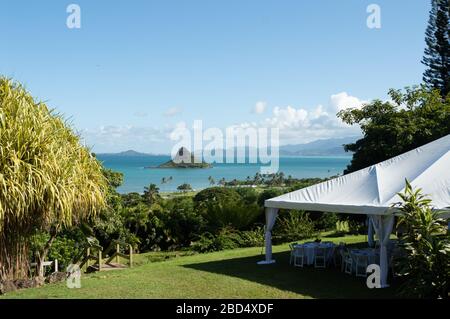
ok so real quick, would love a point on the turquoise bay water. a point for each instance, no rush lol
(136, 176)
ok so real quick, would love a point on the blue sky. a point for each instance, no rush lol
(137, 69)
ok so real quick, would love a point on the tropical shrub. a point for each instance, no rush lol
(215, 195)
(114, 179)
(326, 221)
(267, 194)
(293, 225)
(226, 238)
(157, 237)
(205, 243)
(109, 225)
(356, 227)
(253, 238)
(136, 218)
(248, 195)
(182, 221)
(230, 214)
(132, 199)
(426, 264)
(66, 247)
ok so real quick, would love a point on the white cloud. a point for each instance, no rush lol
(299, 125)
(259, 108)
(342, 101)
(113, 138)
(173, 111)
(296, 125)
(288, 117)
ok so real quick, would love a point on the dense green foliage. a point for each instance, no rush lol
(426, 265)
(227, 207)
(268, 194)
(326, 221)
(437, 51)
(292, 226)
(215, 218)
(413, 118)
(215, 195)
(226, 238)
(65, 248)
(229, 238)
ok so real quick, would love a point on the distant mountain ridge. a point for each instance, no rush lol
(324, 147)
(128, 153)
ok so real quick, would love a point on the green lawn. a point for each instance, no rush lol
(226, 274)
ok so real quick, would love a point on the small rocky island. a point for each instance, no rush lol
(184, 159)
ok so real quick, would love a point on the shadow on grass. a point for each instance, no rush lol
(308, 281)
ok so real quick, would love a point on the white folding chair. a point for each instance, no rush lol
(320, 257)
(299, 256)
(337, 255)
(292, 248)
(347, 262)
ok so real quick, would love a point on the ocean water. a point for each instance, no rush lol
(136, 176)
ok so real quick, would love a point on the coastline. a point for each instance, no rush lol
(136, 176)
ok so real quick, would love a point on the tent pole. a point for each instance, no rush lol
(271, 216)
(384, 268)
(385, 225)
(370, 239)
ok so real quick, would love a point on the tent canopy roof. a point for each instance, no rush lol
(373, 190)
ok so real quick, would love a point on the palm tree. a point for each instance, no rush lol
(151, 194)
(211, 180)
(279, 178)
(289, 179)
(137, 217)
(163, 180)
(257, 179)
(48, 179)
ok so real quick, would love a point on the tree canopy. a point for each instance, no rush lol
(216, 194)
(412, 118)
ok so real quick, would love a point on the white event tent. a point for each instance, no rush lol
(373, 191)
